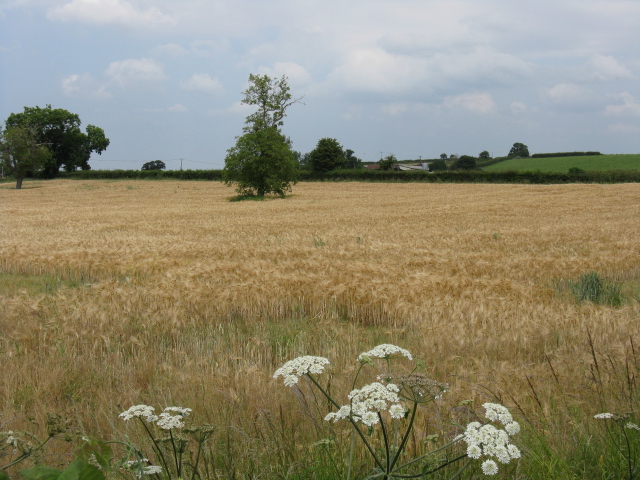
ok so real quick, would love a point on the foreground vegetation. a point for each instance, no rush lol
(120, 293)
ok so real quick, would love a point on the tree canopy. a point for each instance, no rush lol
(154, 165)
(328, 155)
(262, 161)
(21, 153)
(387, 162)
(353, 162)
(60, 130)
(465, 162)
(519, 150)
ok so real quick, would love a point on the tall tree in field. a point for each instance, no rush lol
(21, 154)
(328, 155)
(60, 130)
(519, 150)
(262, 162)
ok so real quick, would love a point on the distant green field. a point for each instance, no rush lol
(563, 164)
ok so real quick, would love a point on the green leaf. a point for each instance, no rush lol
(81, 470)
(3, 475)
(41, 472)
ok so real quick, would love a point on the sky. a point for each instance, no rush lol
(413, 78)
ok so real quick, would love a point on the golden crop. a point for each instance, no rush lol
(165, 291)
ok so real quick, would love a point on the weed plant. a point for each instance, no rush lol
(591, 287)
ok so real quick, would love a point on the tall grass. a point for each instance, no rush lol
(168, 293)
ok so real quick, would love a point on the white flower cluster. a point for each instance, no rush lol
(11, 440)
(368, 401)
(490, 441)
(603, 416)
(138, 467)
(170, 418)
(632, 426)
(300, 366)
(144, 411)
(385, 350)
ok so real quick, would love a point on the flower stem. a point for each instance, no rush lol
(353, 422)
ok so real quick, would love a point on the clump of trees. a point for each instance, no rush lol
(41, 141)
(154, 165)
(519, 150)
(388, 162)
(21, 153)
(60, 131)
(262, 161)
(328, 155)
(464, 162)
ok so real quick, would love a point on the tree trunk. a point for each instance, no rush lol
(19, 182)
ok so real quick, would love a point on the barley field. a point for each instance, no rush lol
(117, 293)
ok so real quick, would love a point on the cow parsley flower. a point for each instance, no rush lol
(474, 451)
(12, 440)
(397, 411)
(139, 468)
(512, 428)
(152, 470)
(604, 416)
(632, 426)
(140, 411)
(385, 350)
(179, 410)
(300, 366)
(489, 467)
(168, 421)
(368, 401)
(497, 413)
(514, 452)
(489, 441)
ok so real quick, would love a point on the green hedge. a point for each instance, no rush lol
(144, 174)
(363, 175)
(563, 154)
(475, 176)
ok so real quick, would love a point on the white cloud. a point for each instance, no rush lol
(376, 70)
(109, 11)
(297, 75)
(135, 72)
(474, 102)
(573, 98)
(629, 105)
(202, 82)
(84, 86)
(607, 68)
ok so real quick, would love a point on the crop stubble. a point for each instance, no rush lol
(174, 292)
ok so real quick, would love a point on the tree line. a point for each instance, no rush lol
(45, 140)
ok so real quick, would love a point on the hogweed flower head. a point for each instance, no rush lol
(294, 369)
(385, 350)
(632, 426)
(489, 441)
(489, 467)
(139, 468)
(141, 411)
(497, 413)
(169, 419)
(604, 416)
(418, 387)
(368, 401)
